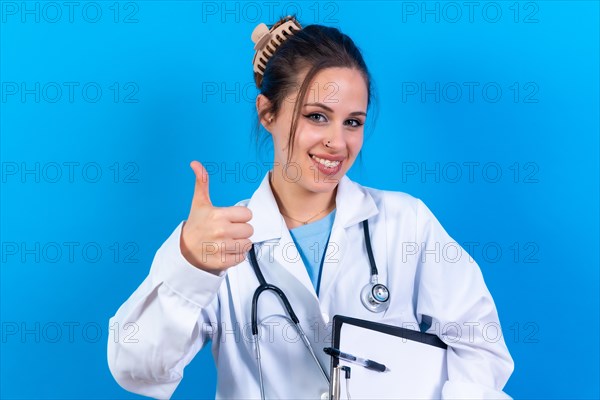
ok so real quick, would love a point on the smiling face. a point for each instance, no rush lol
(333, 113)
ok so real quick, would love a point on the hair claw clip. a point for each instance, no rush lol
(266, 41)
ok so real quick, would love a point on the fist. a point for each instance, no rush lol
(214, 238)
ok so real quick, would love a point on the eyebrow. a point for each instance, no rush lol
(331, 111)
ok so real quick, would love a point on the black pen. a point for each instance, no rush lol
(369, 364)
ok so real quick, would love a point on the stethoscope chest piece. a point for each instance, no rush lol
(375, 296)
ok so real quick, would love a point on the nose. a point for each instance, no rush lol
(335, 137)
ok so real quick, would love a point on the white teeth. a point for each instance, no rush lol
(327, 163)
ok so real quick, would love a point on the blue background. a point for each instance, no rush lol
(165, 59)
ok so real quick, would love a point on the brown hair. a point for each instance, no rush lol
(312, 49)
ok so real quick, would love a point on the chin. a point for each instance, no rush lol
(325, 184)
(324, 187)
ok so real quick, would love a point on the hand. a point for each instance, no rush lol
(214, 238)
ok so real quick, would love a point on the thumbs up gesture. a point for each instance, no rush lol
(214, 238)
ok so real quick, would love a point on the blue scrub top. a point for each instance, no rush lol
(311, 240)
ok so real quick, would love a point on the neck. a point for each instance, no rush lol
(299, 204)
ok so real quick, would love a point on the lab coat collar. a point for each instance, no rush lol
(353, 205)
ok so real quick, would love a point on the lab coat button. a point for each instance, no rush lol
(325, 396)
(325, 317)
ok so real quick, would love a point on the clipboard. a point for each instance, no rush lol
(416, 361)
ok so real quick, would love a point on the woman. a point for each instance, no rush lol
(305, 223)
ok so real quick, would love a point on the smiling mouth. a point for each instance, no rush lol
(325, 162)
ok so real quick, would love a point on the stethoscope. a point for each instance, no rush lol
(374, 296)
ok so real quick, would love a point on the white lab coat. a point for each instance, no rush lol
(178, 307)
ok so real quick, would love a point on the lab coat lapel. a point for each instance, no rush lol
(354, 204)
(266, 219)
(269, 226)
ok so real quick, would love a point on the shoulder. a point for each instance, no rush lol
(393, 201)
(402, 209)
(400, 205)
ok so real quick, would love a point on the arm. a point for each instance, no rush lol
(169, 311)
(451, 291)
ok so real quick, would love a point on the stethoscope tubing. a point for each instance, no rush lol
(264, 286)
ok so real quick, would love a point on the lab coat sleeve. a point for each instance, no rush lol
(452, 292)
(163, 324)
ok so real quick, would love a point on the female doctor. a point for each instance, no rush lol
(304, 224)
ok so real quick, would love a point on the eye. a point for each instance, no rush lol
(355, 123)
(317, 115)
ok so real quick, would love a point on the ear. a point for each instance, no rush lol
(263, 103)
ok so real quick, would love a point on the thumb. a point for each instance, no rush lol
(201, 195)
